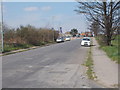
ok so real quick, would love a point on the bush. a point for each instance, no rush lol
(24, 36)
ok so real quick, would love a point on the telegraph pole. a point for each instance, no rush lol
(2, 41)
(53, 26)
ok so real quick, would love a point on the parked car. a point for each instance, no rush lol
(67, 38)
(60, 39)
(86, 41)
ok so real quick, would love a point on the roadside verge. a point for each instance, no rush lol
(22, 50)
(89, 65)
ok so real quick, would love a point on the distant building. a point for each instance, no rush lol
(88, 34)
(82, 34)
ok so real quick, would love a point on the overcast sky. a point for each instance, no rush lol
(44, 14)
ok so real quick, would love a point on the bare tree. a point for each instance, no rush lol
(94, 27)
(105, 13)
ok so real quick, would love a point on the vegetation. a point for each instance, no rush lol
(104, 22)
(94, 27)
(111, 51)
(89, 65)
(8, 48)
(105, 14)
(73, 32)
(27, 36)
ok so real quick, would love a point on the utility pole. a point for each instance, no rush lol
(53, 26)
(2, 41)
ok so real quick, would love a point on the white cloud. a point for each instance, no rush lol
(46, 8)
(31, 8)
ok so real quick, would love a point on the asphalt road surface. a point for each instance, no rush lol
(54, 66)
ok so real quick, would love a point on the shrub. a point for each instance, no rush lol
(25, 36)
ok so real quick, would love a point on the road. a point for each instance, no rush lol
(54, 66)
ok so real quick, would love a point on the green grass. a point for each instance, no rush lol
(112, 51)
(11, 47)
(89, 65)
(8, 48)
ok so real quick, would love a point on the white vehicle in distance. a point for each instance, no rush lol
(86, 41)
(60, 39)
(87, 37)
(67, 38)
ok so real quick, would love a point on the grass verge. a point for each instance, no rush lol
(8, 48)
(112, 51)
(12, 49)
(89, 65)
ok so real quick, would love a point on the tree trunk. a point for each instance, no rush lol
(108, 25)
